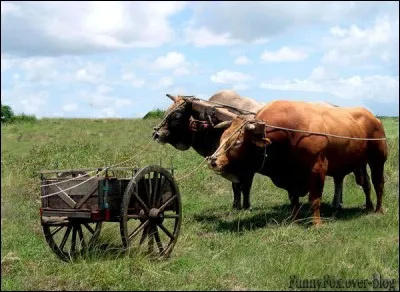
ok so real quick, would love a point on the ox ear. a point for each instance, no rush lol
(223, 125)
(173, 98)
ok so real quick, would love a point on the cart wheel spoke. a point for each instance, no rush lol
(150, 193)
(168, 202)
(65, 238)
(54, 232)
(158, 240)
(138, 229)
(166, 231)
(151, 240)
(154, 192)
(88, 228)
(73, 242)
(144, 235)
(142, 203)
(80, 234)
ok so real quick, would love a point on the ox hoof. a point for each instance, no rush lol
(368, 209)
(247, 207)
(236, 206)
(379, 210)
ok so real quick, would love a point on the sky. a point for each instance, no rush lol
(119, 59)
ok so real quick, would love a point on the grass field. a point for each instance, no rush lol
(218, 248)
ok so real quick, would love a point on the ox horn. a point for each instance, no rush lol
(173, 98)
(222, 125)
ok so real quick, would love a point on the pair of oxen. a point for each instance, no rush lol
(294, 143)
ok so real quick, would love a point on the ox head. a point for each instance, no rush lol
(237, 145)
(174, 127)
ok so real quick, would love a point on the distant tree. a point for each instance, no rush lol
(7, 114)
(154, 114)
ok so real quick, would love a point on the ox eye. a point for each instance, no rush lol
(237, 143)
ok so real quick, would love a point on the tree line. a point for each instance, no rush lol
(8, 116)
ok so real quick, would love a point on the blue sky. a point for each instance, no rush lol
(119, 59)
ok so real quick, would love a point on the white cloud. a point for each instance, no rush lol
(25, 101)
(135, 81)
(172, 61)
(224, 22)
(101, 98)
(238, 80)
(242, 60)
(107, 112)
(164, 83)
(91, 73)
(354, 45)
(378, 88)
(227, 77)
(203, 37)
(285, 54)
(71, 107)
(57, 28)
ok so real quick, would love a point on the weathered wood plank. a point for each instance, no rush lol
(67, 199)
(63, 213)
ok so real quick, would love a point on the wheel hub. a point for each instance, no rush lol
(156, 215)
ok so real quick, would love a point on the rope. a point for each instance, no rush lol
(188, 174)
(226, 140)
(325, 134)
(74, 178)
(105, 169)
(169, 113)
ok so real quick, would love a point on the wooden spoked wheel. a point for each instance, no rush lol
(151, 212)
(69, 237)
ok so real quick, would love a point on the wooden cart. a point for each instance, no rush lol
(144, 201)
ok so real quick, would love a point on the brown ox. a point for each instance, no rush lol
(298, 161)
(175, 130)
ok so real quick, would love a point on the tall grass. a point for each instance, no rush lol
(218, 248)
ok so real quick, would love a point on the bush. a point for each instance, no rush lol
(154, 114)
(23, 118)
(7, 114)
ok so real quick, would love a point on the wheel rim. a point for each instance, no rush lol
(70, 238)
(152, 200)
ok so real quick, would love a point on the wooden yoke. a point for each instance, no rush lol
(205, 107)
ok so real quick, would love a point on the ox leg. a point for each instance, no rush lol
(294, 200)
(338, 195)
(246, 187)
(378, 181)
(317, 181)
(363, 180)
(236, 187)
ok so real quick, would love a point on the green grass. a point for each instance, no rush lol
(218, 248)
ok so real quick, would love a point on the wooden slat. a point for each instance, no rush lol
(85, 198)
(63, 213)
(67, 199)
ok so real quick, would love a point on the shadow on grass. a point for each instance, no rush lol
(218, 220)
